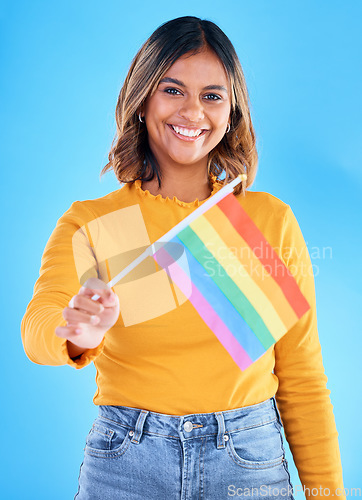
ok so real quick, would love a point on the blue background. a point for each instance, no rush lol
(63, 64)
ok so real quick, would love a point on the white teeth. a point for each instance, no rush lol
(186, 132)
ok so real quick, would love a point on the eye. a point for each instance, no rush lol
(214, 97)
(172, 91)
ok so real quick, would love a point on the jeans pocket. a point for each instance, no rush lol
(257, 447)
(107, 439)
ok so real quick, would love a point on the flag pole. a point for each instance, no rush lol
(218, 196)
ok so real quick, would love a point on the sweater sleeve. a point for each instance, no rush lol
(59, 280)
(302, 397)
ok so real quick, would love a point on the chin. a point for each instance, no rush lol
(186, 161)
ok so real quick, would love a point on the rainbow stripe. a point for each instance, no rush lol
(249, 299)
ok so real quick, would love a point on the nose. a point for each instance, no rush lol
(192, 109)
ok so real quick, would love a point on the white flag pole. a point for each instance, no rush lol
(224, 191)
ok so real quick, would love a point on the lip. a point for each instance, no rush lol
(185, 138)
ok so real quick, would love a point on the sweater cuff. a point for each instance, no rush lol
(85, 358)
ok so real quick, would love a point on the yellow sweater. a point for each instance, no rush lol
(160, 355)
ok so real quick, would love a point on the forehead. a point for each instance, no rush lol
(201, 69)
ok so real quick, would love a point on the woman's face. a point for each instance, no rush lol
(188, 114)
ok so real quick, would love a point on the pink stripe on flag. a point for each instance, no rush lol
(207, 313)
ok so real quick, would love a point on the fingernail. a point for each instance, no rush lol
(78, 330)
(94, 320)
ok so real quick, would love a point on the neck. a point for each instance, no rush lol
(187, 186)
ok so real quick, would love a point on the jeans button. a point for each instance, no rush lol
(188, 426)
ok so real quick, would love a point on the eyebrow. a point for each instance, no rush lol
(181, 84)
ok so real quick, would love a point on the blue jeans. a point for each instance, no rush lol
(138, 454)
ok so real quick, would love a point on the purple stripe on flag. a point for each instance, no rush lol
(207, 313)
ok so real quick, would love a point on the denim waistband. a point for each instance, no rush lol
(193, 425)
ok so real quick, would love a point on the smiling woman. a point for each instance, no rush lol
(203, 359)
(185, 81)
(186, 122)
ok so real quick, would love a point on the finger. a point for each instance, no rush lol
(74, 316)
(89, 292)
(86, 292)
(109, 300)
(106, 297)
(85, 304)
(96, 283)
(68, 332)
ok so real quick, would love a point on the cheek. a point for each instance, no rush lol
(160, 109)
(225, 113)
(220, 117)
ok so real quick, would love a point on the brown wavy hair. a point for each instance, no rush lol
(130, 156)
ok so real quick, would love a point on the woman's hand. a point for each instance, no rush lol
(89, 320)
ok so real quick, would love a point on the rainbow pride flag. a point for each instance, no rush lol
(248, 299)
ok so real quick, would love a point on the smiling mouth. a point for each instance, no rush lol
(186, 133)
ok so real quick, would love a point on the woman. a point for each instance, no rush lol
(177, 416)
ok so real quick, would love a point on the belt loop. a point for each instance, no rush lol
(139, 426)
(221, 430)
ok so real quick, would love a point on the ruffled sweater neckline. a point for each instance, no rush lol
(216, 185)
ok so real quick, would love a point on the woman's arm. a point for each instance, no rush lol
(66, 252)
(302, 397)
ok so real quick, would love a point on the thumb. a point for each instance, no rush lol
(96, 283)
